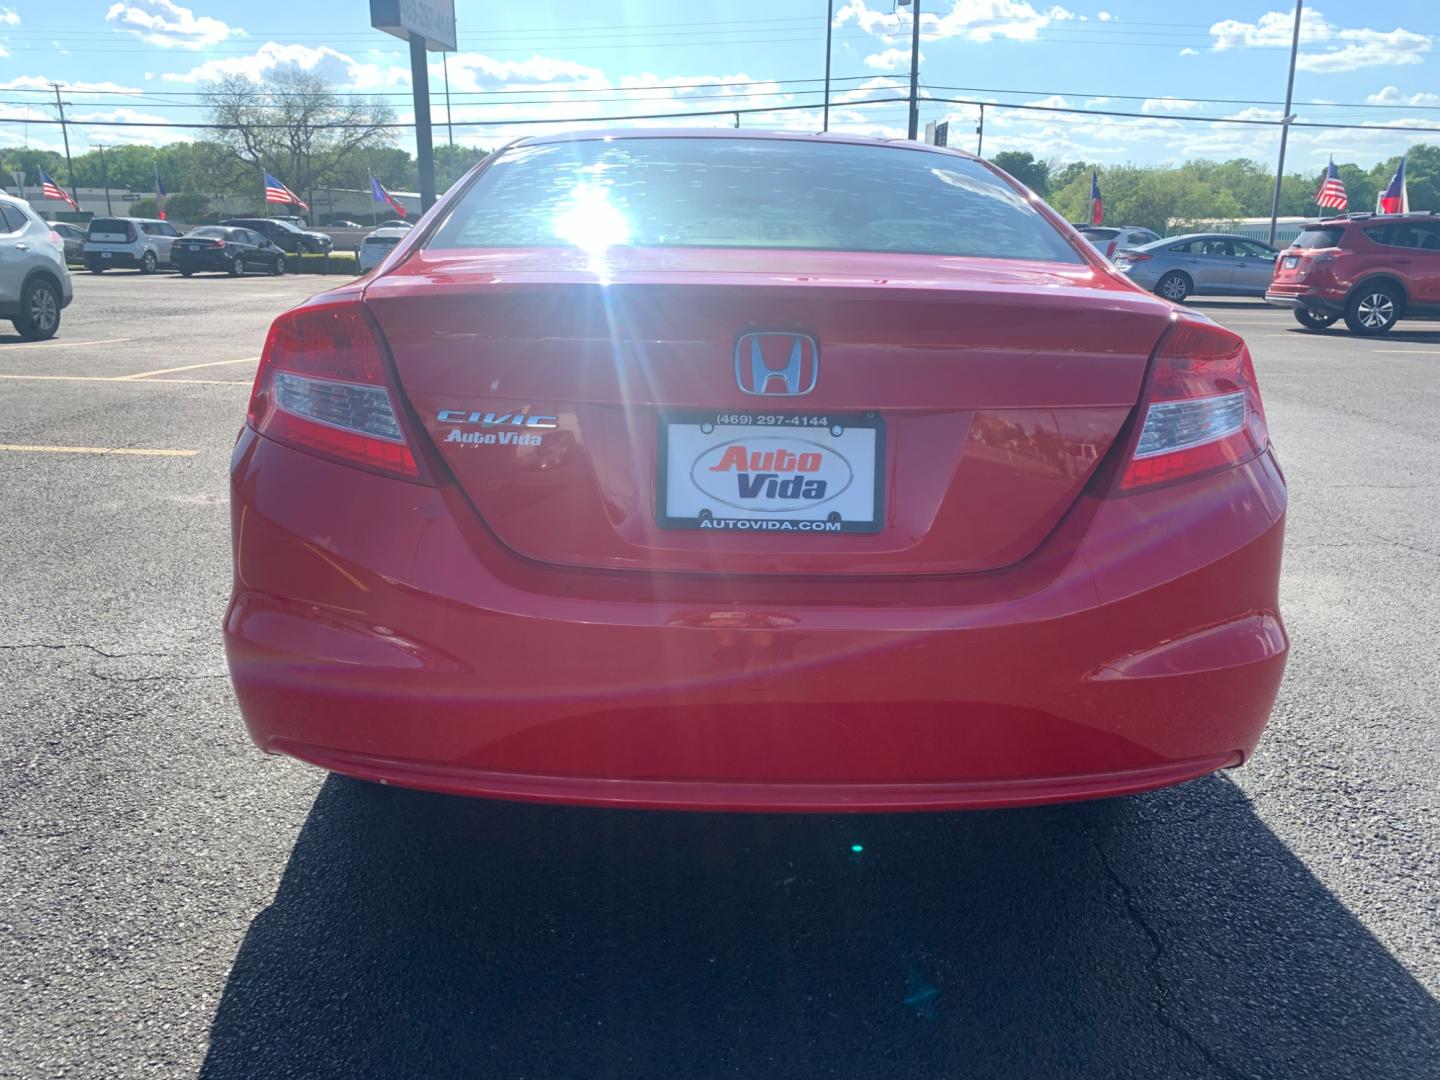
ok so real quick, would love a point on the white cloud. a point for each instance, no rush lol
(154, 130)
(1168, 104)
(972, 20)
(39, 82)
(1325, 47)
(1391, 95)
(167, 24)
(1189, 52)
(3, 52)
(328, 63)
(1105, 16)
(9, 17)
(890, 60)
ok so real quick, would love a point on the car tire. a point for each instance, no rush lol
(237, 266)
(1373, 310)
(279, 267)
(1313, 320)
(148, 263)
(186, 271)
(1174, 286)
(39, 316)
(96, 268)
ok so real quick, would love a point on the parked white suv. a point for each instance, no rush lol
(140, 243)
(34, 283)
(377, 245)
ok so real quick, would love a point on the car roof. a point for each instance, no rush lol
(391, 231)
(748, 134)
(1368, 218)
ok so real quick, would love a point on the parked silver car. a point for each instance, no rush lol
(1110, 240)
(34, 282)
(139, 243)
(1203, 264)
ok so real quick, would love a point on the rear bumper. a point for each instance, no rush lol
(1144, 649)
(119, 258)
(188, 261)
(1298, 297)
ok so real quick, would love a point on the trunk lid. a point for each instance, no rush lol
(994, 388)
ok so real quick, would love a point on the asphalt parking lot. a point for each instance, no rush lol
(174, 904)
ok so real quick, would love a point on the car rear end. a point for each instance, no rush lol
(1147, 264)
(1311, 275)
(202, 250)
(645, 476)
(113, 243)
(377, 245)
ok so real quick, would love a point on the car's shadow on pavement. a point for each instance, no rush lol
(1170, 935)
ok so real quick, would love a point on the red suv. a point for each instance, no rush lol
(1371, 270)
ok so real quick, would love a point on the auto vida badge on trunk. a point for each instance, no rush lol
(517, 428)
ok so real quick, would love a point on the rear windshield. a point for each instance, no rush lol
(209, 230)
(381, 241)
(109, 225)
(1319, 238)
(1101, 234)
(725, 193)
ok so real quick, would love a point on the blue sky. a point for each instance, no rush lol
(1371, 64)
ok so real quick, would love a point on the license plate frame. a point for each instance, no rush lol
(775, 428)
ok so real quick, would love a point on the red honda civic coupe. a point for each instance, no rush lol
(774, 472)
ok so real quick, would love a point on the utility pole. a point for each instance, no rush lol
(450, 127)
(105, 179)
(424, 148)
(980, 133)
(65, 133)
(829, 26)
(1285, 123)
(914, 6)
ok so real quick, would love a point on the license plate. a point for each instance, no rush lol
(1291, 261)
(106, 254)
(771, 472)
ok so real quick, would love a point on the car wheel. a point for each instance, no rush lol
(1313, 320)
(279, 267)
(1173, 286)
(186, 271)
(96, 268)
(1373, 309)
(39, 316)
(148, 263)
(237, 267)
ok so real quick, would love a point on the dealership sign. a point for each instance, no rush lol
(433, 20)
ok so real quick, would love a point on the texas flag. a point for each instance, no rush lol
(380, 195)
(1395, 199)
(1097, 204)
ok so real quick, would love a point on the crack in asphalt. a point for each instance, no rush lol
(61, 646)
(1152, 965)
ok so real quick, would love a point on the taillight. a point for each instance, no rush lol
(1202, 407)
(57, 240)
(322, 386)
(1136, 256)
(1110, 248)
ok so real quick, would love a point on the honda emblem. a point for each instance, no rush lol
(776, 364)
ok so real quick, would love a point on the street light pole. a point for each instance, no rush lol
(829, 26)
(1285, 123)
(914, 6)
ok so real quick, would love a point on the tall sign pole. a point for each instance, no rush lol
(424, 149)
(1285, 123)
(829, 26)
(428, 26)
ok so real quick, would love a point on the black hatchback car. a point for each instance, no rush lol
(286, 236)
(232, 251)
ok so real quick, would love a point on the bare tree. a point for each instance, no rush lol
(294, 125)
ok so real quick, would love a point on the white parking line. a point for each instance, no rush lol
(123, 378)
(24, 449)
(187, 367)
(62, 344)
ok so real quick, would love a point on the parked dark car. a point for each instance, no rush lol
(284, 235)
(1201, 264)
(233, 251)
(1371, 271)
(74, 239)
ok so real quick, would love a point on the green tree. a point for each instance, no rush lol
(1024, 167)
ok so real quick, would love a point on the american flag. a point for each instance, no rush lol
(1332, 192)
(278, 193)
(52, 190)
